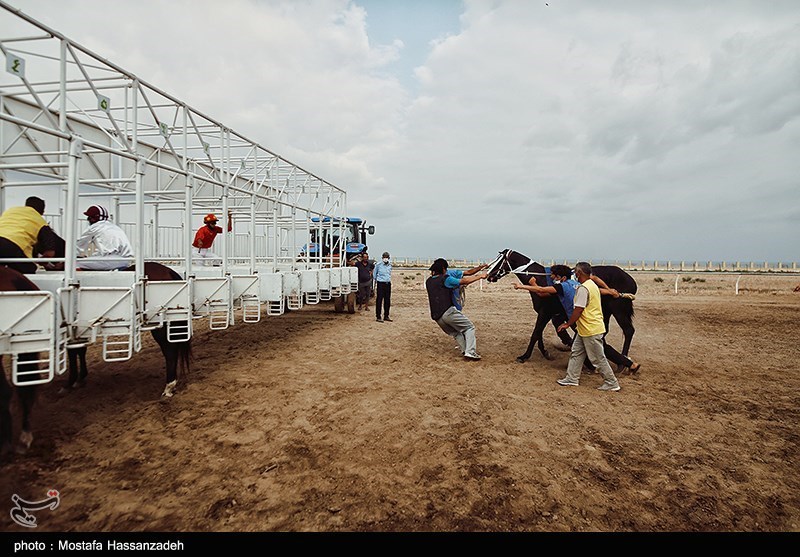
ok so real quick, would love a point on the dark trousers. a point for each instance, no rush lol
(383, 295)
(362, 295)
(10, 249)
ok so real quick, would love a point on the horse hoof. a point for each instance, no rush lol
(522, 359)
(547, 355)
(26, 439)
(169, 389)
(64, 391)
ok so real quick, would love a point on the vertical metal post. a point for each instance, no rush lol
(138, 248)
(226, 236)
(135, 116)
(187, 223)
(253, 216)
(294, 236)
(73, 185)
(252, 233)
(154, 224)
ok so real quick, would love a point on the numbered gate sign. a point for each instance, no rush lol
(206, 147)
(164, 129)
(103, 103)
(15, 65)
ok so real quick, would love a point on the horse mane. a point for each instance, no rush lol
(536, 270)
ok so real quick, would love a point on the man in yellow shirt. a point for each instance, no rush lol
(588, 316)
(25, 233)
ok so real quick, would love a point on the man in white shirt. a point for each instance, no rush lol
(109, 240)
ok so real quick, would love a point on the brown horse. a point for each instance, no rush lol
(174, 352)
(13, 281)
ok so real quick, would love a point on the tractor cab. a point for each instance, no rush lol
(354, 238)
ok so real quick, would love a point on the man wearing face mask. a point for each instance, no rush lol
(383, 294)
(565, 287)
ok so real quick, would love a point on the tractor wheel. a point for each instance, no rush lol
(351, 302)
(338, 304)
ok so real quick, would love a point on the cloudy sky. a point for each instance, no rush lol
(561, 129)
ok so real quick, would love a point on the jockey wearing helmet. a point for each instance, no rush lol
(204, 239)
(112, 249)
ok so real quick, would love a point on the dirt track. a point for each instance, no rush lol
(315, 421)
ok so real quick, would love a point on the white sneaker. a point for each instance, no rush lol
(472, 356)
(606, 386)
(567, 382)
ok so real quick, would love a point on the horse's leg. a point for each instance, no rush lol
(84, 370)
(609, 306)
(170, 358)
(564, 336)
(623, 313)
(538, 333)
(522, 358)
(536, 338)
(27, 396)
(72, 377)
(6, 392)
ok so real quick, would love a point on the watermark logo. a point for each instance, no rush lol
(20, 514)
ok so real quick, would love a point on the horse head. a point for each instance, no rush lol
(507, 261)
(499, 267)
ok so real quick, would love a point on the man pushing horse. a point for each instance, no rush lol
(441, 286)
(561, 285)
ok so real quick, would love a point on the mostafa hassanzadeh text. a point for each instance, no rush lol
(95, 545)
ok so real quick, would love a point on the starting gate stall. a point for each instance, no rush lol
(309, 285)
(28, 323)
(78, 130)
(245, 297)
(211, 298)
(324, 282)
(291, 290)
(107, 307)
(271, 291)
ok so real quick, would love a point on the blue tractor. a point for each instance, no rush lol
(354, 242)
(355, 238)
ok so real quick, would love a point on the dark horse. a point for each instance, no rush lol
(12, 281)
(174, 352)
(549, 308)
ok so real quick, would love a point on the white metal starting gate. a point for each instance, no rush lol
(78, 130)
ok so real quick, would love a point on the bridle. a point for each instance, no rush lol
(502, 267)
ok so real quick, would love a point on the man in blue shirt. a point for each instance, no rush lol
(440, 286)
(562, 285)
(383, 293)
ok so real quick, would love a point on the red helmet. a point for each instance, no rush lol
(209, 218)
(97, 211)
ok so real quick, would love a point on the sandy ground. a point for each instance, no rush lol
(316, 421)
